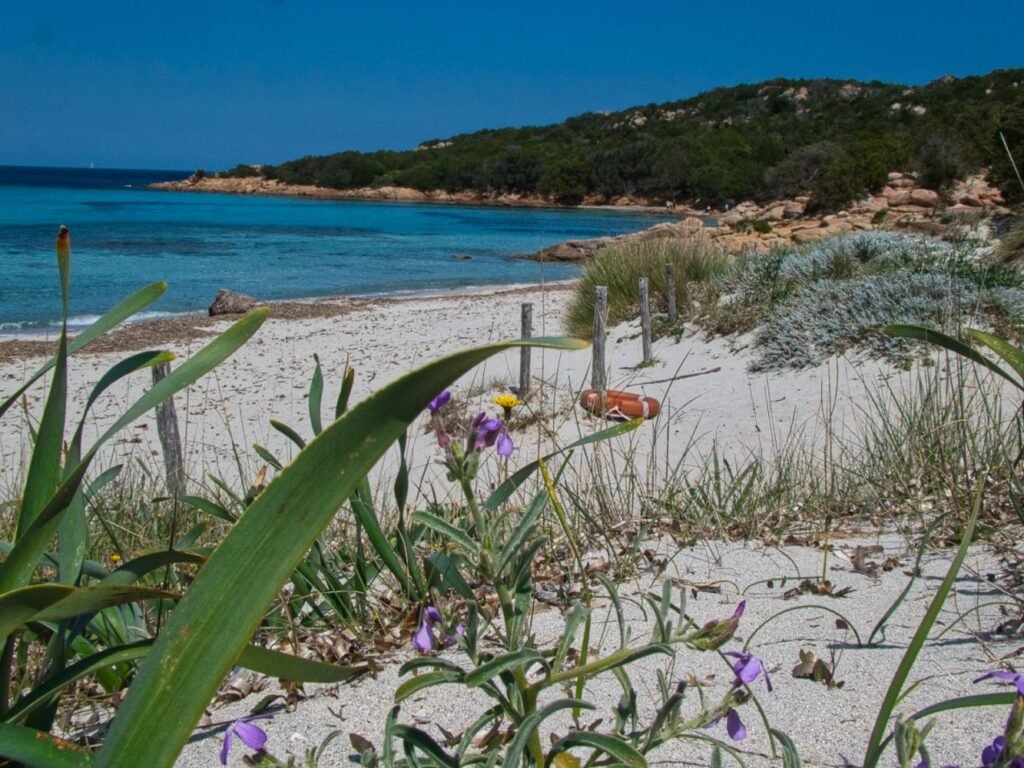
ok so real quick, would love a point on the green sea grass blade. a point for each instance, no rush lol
(316, 394)
(211, 508)
(73, 532)
(914, 572)
(51, 602)
(44, 469)
(616, 748)
(516, 747)
(288, 667)
(502, 493)
(17, 568)
(415, 684)
(422, 741)
(113, 317)
(261, 660)
(947, 342)
(35, 749)
(345, 392)
(362, 510)
(1007, 351)
(267, 456)
(525, 658)
(448, 530)
(895, 690)
(214, 622)
(288, 432)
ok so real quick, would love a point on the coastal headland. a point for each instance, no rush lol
(904, 203)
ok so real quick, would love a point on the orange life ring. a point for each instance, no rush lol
(628, 404)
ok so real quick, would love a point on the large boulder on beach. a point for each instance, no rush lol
(231, 303)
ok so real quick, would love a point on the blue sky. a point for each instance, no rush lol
(185, 84)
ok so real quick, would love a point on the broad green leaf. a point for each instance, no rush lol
(135, 569)
(523, 658)
(213, 623)
(316, 394)
(895, 690)
(428, 680)
(51, 602)
(40, 750)
(446, 529)
(288, 667)
(48, 691)
(526, 729)
(268, 457)
(946, 342)
(17, 568)
(113, 317)
(209, 507)
(288, 432)
(424, 743)
(616, 748)
(1007, 351)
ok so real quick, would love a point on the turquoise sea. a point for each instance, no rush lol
(125, 236)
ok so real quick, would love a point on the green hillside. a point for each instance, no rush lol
(832, 139)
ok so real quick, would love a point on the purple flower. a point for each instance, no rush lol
(748, 668)
(423, 639)
(991, 753)
(251, 735)
(1009, 677)
(734, 726)
(504, 443)
(439, 402)
(487, 432)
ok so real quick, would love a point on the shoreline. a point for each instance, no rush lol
(259, 187)
(186, 327)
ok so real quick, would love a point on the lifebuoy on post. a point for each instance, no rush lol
(628, 404)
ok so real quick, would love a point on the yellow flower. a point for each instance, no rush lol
(508, 402)
(115, 558)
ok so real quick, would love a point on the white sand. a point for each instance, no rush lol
(739, 413)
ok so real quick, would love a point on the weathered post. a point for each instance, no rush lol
(670, 292)
(526, 322)
(645, 319)
(597, 368)
(170, 439)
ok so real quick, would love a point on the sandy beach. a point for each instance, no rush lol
(710, 402)
(715, 403)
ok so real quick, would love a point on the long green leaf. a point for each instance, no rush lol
(616, 748)
(113, 317)
(446, 529)
(288, 667)
(1007, 351)
(209, 507)
(524, 658)
(895, 690)
(288, 432)
(17, 568)
(213, 623)
(428, 680)
(947, 342)
(51, 602)
(36, 749)
(516, 747)
(48, 691)
(422, 741)
(316, 394)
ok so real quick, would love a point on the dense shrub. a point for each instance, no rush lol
(776, 139)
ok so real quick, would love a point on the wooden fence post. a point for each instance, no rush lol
(170, 439)
(645, 319)
(597, 368)
(526, 324)
(670, 292)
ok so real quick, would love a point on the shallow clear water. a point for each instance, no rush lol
(124, 236)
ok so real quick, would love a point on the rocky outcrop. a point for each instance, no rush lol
(231, 303)
(902, 204)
